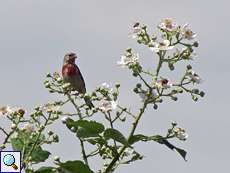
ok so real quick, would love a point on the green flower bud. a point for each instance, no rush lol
(195, 91)
(189, 67)
(117, 85)
(48, 75)
(135, 90)
(174, 98)
(155, 106)
(55, 138)
(196, 44)
(56, 159)
(138, 85)
(195, 98)
(135, 74)
(202, 93)
(50, 133)
(171, 66)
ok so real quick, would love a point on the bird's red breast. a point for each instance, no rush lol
(69, 70)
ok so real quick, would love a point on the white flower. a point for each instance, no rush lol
(108, 105)
(50, 107)
(128, 60)
(187, 33)
(194, 77)
(167, 25)
(180, 133)
(143, 95)
(163, 83)
(106, 87)
(164, 45)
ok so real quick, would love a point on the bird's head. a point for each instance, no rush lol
(69, 58)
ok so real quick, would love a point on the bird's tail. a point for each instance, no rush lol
(89, 103)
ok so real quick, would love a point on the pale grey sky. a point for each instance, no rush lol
(34, 36)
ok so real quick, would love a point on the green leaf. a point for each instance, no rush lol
(182, 152)
(116, 135)
(71, 123)
(89, 128)
(159, 139)
(17, 144)
(45, 170)
(39, 155)
(24, 142)
(75, 167)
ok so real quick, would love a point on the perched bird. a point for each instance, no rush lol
(71, 74)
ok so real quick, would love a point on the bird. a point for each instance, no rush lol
(72, 74)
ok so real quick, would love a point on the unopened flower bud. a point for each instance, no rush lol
(138, 85)
(13, 126)
(202, 93)
(155, 106)
(48, 75)
(195, 91)
(189, 67)
(56, 158)
(196, 44)
(50, 133)
(171, 66)
(195, 98)
(117, 85)
(174, 98)
(55, 138)
(59, 79)
(135, 90)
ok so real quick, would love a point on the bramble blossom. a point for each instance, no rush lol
(164, 83)
(108, 105)
(164, 45)
(180, 133)
(194, 77)
(167, 25)
(187, 33)
(128, 60)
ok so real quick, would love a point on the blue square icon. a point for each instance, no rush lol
(10, 162)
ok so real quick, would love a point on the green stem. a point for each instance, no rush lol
(84, 156)
(134, 126)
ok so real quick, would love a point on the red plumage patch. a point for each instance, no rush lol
(69, 70)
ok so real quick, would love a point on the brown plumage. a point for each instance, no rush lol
(71, 74)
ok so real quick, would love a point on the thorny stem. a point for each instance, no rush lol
(84, 156)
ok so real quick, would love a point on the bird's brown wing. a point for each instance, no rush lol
(83, 88)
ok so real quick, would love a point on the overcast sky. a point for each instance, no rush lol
(35, 34)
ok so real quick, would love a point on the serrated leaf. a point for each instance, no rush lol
(116, 135)
(45, 170)
(92, 126)
(71, 123)
(74, 167)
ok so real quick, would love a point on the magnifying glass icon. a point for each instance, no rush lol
(9, 160)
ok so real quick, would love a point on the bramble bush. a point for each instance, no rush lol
(28, 133)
